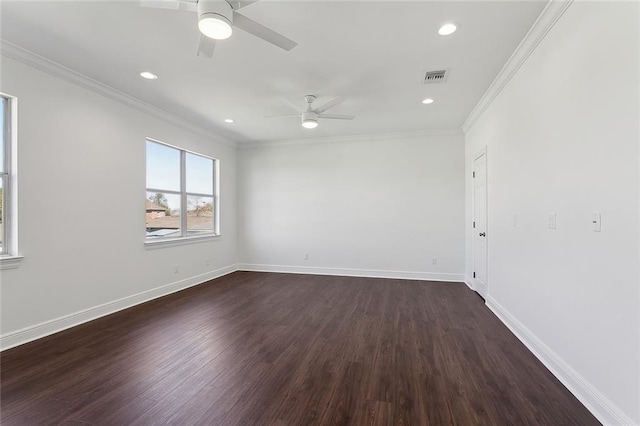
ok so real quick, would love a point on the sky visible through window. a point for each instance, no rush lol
(163, 170)
(199, 174)
(163, 167)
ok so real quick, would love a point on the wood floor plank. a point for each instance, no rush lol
(284, 349)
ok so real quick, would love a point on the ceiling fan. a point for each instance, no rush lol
(216, 19)
(310, 115)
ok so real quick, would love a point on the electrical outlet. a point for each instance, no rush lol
(434, 260)
(176, 268)
(208, 262)
(551, 221)
(306, 256)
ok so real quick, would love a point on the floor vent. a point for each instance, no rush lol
(439, 76)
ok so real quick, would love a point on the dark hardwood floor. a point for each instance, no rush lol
(276, 349)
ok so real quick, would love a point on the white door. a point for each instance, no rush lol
(480, 224)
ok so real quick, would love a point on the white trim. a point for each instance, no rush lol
(599, 405)
(48, 66)
(151, 244)
(10, 179)
(354, 138)
(547, 19)
(10, 262)
(28, 334)
(469, 282)
(349, 272)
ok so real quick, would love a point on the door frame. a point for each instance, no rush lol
(479, 154)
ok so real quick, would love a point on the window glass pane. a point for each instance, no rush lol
(162, 214)
(1, 216)
(199, 215)
(2, 109)
(199, 174)
(163, 167)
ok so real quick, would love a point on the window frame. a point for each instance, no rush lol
(183, 194)
(6, 176)
(9, 257)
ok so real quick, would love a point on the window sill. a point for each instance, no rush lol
(10, 262)
(180, 241)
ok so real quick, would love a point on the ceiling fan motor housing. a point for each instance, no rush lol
(216, 9)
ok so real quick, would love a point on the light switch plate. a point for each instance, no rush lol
(551, 221)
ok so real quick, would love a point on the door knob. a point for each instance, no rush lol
(482, 234)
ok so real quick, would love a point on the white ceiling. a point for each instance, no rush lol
(373, 53)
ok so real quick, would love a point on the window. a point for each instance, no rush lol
(4, 184)
(181, 200)
(8, 210)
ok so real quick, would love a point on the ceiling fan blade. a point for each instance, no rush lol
(281, 115)
(169, 4)
(292, 105)
(239, 4)
(329, 105)
(337, 116)
(188, 6)
(206, 46)
(160, 4)
(260, 31)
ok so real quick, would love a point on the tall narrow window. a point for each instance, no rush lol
(9, 257)
(5, 167)
(181, 200)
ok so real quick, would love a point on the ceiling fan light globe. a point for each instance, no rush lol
(310, 123)
(215, 26)
(309, 119)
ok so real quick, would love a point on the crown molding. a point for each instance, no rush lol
(538, 31)
(55, 69)
(453, 132)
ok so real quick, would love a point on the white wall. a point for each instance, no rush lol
(563, 137)
(363, 206)
(81, 203)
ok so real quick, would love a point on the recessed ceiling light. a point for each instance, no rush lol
(447, 29)
(428, 101)
(148, 75)
(229, 120)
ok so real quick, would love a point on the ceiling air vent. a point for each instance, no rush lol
(439, 76)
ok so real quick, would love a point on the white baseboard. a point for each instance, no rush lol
(599, 405)
(28, 334)
(347, 272)
(469, 282)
